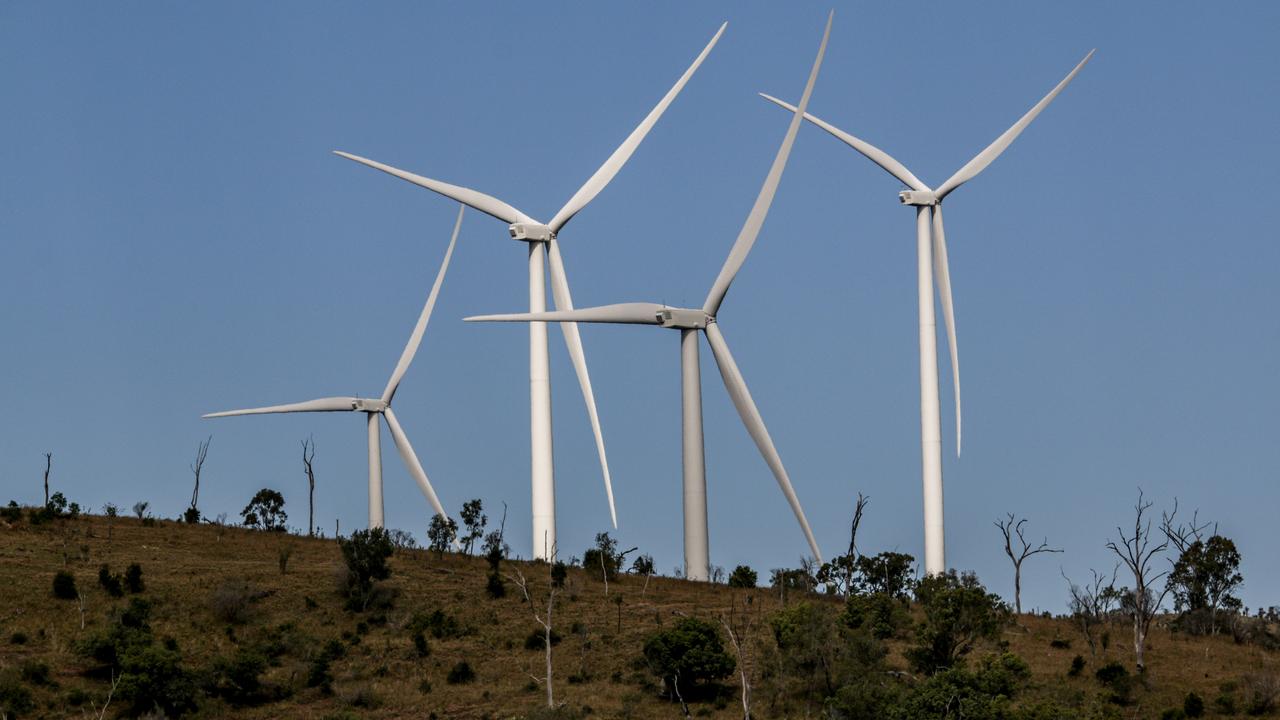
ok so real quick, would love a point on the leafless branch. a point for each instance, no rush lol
(1009, 527)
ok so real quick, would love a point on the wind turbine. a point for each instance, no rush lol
(541, 238)
(374, 407)
(689, 321)
(931, 260)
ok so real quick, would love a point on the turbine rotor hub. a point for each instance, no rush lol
(918, 197)
(530, 232)
(684, 318)
(369, 405)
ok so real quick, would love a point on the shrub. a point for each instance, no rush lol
(440, 624)
(11, 513)
(238, 679)
(460, 673)
(265, 511)
(643, 565)
(743, 577)
(559, 573)
(153, 677)
(690, 652)
(34, 672)
(230, 601)
(64, 586)
(1060, 644)
(958, 611)
(110, 510)
(14, 698)
(420, 644)
(494, 586)
(1173, 714)
(109, 582)
(537, 639)
(365, 554)
(18, 638)
(1077, 666)
(882, 614)
(140, 508)
(982, 693)
(1261, 693)
(603, 559)
(1193, 705)
(191, 516)
(133, 578)
(1116, 678)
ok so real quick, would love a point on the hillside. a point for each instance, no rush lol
(196, 578)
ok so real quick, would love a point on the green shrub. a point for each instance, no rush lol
(365, 554)
(18, 638)
(460, 673)
(15, 699)
(420, 644)
(109, 582)
(64, 586)
(1116, 678)
(559, 573)
(133, 578)
(34, 672)
(1173, 714)
(494, 586)
(11, 512)
(958, 611)
(986, 692)
(537, 639)
(1193, 705)
(1077, 666)
(440, 624)
(743, 577)
(153, 677)
(690, 652)
(238, 679)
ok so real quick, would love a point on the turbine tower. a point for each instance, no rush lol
(542, 240)
(689, 321)
(931, 267)
(373, 408)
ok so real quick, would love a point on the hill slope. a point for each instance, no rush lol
(198, 579)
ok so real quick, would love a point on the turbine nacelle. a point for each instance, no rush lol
(918, 197)
(369, 405)
(684, 318)
(531, 232)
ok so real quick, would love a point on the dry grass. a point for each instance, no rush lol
(185, 567)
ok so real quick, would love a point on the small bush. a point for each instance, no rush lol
(1077, 666)
(461, 673)
(1261, 693)
(11, 512)
(495, 587)
(230, 601)
(14, 698)
(18, 638)
(109, 582)
(238, 679)
(743, 577)
(537, 639)
(559, 572)
(64, 586)
(34, 672)
(420, 645)
(191, 516)
(441, 625)
(424, 687)
(365, 554)
(1115, 677)
(133, 578)
(140, 509)
(1173, 714)
(1060, 644)
(1193, 705)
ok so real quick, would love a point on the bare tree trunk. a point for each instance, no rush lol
(742, 669)
(196, 467)
(48, 465)
(309, 454)
(1017, 587)
(1010, 527)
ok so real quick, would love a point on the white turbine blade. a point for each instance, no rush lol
(332, 404)
(750, 415)
(415, 339)
(560, 293)
(871, 152)
(624, 313)
(755, 219)
(984, 158)
(601, 178)
(942, 272)
(484, 203)
(411, 461)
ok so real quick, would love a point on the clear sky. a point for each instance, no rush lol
(176, 238)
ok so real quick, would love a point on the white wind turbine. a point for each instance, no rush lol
(373, 407)
(689, 321)
(541, 238)
(931, 259)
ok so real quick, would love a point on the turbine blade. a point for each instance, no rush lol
(984, 158)
(942, 272)
(411, 348)
(755, 219)
(410, 459)
(484, 203)
(331, 404)
(750, 415)
(563, 301)
(624, 313)
(601, 178)
(871, 152)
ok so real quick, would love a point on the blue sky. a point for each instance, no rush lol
(176, 238)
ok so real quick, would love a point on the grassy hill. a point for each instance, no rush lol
(214, 591)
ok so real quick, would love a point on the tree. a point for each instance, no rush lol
(604, 558)
(837, 574)
(1137, 552)
(48, 465)
(474, 520)
(265, 511)
(542, 619)
(958, 611)
(309, 455)
(1090, 604)
(192, 515)
(888, 573)
(365, 554)
(1204, 578)
(690, 653)
(1008, 528)
(743, 577)
(441, 533)
(140, 508)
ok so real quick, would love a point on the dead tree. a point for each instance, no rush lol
(48, 465)
(196, 467)
(1137, 552)
(309, 454)
(1091, 604)
(1184, 536)
(738, 627)
(542, 619)
(1010, 527)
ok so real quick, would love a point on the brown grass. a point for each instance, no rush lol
(184, 566)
